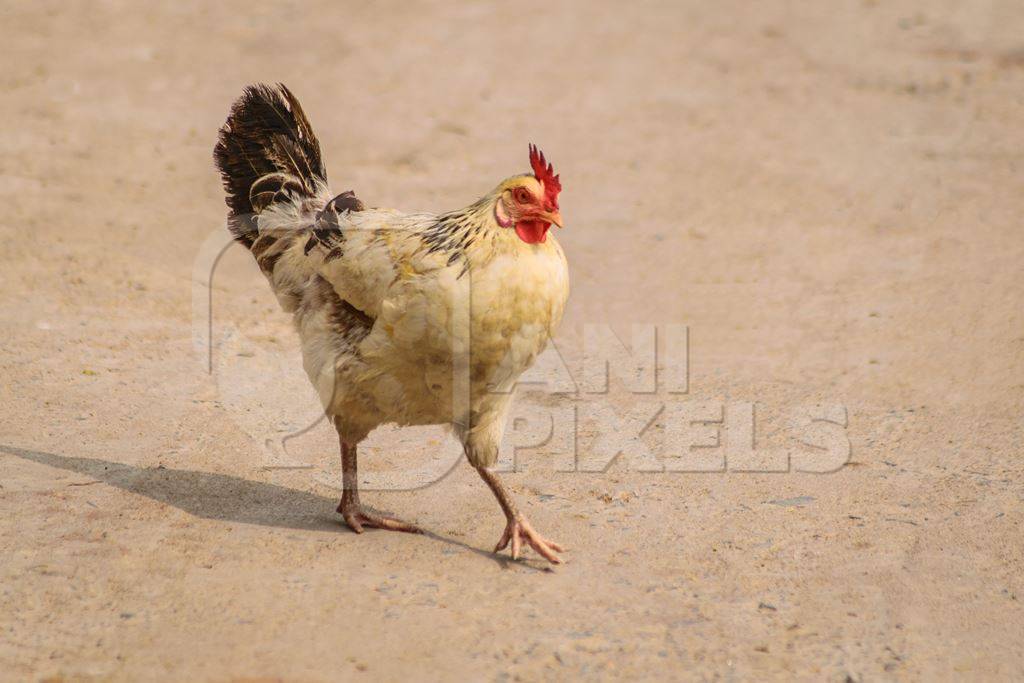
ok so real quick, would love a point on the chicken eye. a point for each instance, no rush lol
(522, 195)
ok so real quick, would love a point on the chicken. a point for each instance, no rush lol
(404, 318)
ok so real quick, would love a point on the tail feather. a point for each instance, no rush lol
(266, 153)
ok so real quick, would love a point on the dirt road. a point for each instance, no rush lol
(829, 198)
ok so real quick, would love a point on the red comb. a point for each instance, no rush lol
(544, 173)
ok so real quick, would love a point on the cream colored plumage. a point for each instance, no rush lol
(409, 319)
(506, 294)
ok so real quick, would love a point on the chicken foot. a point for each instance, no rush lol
(518, 528)
(350, 508)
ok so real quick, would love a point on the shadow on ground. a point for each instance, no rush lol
(221, 497)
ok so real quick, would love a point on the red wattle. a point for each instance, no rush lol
(532, 232)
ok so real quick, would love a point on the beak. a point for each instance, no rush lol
(553, 217)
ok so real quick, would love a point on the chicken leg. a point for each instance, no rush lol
(518, 529)
(349, 507)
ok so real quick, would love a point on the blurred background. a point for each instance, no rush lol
(828, 195)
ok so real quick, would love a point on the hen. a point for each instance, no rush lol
(404, 318)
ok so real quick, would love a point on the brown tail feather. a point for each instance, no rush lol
(266, 153)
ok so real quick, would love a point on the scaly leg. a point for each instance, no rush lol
(517, 529)
(355, 516)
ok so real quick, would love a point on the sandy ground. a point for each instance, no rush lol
(827, 194)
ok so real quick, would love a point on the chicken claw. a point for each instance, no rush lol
(349, 507)
(356, 518)
(519, 529)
